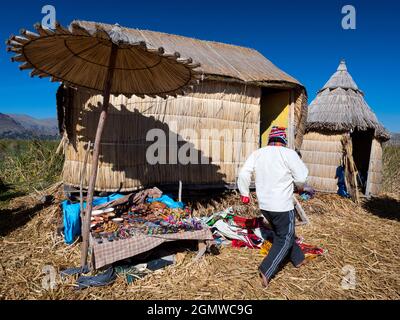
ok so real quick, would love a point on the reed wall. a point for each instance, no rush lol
(375, 169)
(322, 155)
(230, 109)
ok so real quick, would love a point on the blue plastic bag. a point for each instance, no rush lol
(72, 216)
(72, 221)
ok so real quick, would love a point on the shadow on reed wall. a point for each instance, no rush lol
(129, 161)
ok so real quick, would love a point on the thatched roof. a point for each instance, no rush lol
(83, 55)
(216, 59)
(340, 106)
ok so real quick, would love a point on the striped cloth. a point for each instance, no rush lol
(110, 252)
(277, 135)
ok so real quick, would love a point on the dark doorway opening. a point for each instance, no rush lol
(362, 142)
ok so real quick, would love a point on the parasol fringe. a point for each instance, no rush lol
(13, 43)
(36, 72)
(78, 30)
(28, 34)
(100, 33)
(18, 58)
(42, 32)
(61, 30)
(25, 66)
(14, 49)
(20, 39)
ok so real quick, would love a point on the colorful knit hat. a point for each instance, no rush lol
(277, 134)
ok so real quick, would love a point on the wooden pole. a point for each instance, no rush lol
(96, 151)
(291, 121)
(83, 177)
(300, 211)
(180, 191)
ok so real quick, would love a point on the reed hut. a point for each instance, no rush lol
(340, 109)
(224, 118)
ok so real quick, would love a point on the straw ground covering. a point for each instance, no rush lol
(354, 236)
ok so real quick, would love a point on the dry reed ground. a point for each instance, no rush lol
(353, 236)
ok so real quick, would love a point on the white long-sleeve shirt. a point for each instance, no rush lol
(276, 169)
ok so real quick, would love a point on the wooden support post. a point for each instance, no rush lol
(201, 252)
(300, 211)
(180, 191)
(291, 132)
(96, 152)
(83, 177)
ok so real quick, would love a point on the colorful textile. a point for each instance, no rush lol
(132, 273)
(168, 201)
(308, 193)
(252, 242)
(247, 223)
(310, 251)
(224, 214)
(240, 236)
(109, 252)
(277, 135)
(265, 247)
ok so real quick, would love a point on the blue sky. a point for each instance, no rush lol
(304, 38)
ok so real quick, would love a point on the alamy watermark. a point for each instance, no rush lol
(49, 281)
(190, 146)
(349, 277)
(349, 20)
(49, 20)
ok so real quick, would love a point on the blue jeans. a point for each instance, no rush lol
(283, 243)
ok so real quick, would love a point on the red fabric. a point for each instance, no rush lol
(247, 223)
(245, 199)
(253, 242)
(308, 248)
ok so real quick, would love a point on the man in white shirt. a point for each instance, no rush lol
(277, 168)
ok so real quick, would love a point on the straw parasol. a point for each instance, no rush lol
(104, 58)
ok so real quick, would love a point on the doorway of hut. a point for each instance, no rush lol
(274, 111)
(362, 142)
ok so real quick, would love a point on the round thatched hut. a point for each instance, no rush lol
(340, 109)
(224, 118)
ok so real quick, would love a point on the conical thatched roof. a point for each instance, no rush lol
(340, 106)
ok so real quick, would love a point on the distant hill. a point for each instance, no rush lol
(20, 126)
(394, 139)
(9, 128)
